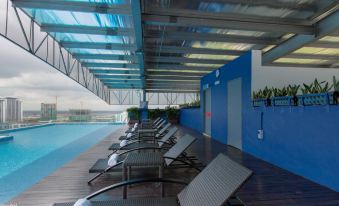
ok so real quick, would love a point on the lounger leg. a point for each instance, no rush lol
(124, 177)
(162, 184)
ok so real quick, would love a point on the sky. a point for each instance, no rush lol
(33, 81)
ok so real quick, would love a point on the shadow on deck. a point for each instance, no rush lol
(269, 185)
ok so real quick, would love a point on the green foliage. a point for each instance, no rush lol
(335, 84)
(315, 87)
(292, 90)
(155, 113)
(172, 112)
(133, 113)
(190, 105)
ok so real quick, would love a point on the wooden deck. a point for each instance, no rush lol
(269, 185)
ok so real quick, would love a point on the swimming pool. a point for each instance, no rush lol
(35, 153)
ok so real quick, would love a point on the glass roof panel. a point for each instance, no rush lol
(300, 61)
(314, 50)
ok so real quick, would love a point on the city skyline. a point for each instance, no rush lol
(34, 82)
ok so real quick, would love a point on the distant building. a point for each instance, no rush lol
(13, 110)
(80, 115)
(48, 112)
(2, 110)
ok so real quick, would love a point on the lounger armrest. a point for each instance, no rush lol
(184, 162)
(132, 182)
(140, 148)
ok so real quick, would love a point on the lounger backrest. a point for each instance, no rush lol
(161, 124)
(215, 184)
(169, 134)
(163, 130)
(156, 120)
(182, 144)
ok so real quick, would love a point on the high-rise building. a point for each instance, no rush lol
(2, 110)
(13, 109)
(80, 115)
(48, 112)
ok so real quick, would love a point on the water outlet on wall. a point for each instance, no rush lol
(260, 134)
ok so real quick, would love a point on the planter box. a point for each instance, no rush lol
(282, 101)
(315, 99)
(260, 103)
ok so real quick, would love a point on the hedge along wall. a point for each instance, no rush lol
(191, 118)
(303, 140)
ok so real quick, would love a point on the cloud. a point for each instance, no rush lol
(25, 76)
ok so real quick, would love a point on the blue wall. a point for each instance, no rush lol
(240, 67)
(303, 140)
(191, 118)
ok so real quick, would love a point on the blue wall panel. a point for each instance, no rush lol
(240, 67)
(303, 140)
(191, 118)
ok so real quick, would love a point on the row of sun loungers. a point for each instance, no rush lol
(158, 148)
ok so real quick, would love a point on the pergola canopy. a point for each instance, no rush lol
(168, 45)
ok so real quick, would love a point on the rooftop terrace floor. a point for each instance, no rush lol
(269, 185)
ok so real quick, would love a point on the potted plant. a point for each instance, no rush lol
(336, 91)
(280, 97)
(292, 91)
(172, 114)
(316, 93)
(155, 113)
(133, 115)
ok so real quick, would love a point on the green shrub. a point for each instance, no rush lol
(172, 112)
(133, 113)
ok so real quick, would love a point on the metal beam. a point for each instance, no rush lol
(177, 73)
(104, 78)
(324, 44)
(91, 7)
(113, 71)
(269, 3)
(92, 45)
(136, 17)
(126, 81)
(171, 91)
(194, 36)
(170, 78)
(131, 86)
(76, 29)
(324, 27)
(131, 58)
(179, 67)
(192, 50)
(164, 59)
(194, 18)
(313, 56)
(110, 65)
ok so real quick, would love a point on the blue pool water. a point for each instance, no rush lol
(35, 153)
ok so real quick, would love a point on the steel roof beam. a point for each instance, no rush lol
(269, 3)
(313, 56)
(173, 77)
(324, 27)
(91, 7)
(193, 18)
(136, 18)
(324, 44)
(164, 59)
(106, 57)
(177, 73)
(179, 67)
(170, 91)
(126, 81)
(110, 65)
(192, 50)
(194, 36)
(113, 71)
(132, 86)
(104, 77)
(75, 29)
(93, 45)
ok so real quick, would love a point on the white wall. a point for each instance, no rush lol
(273, 76)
